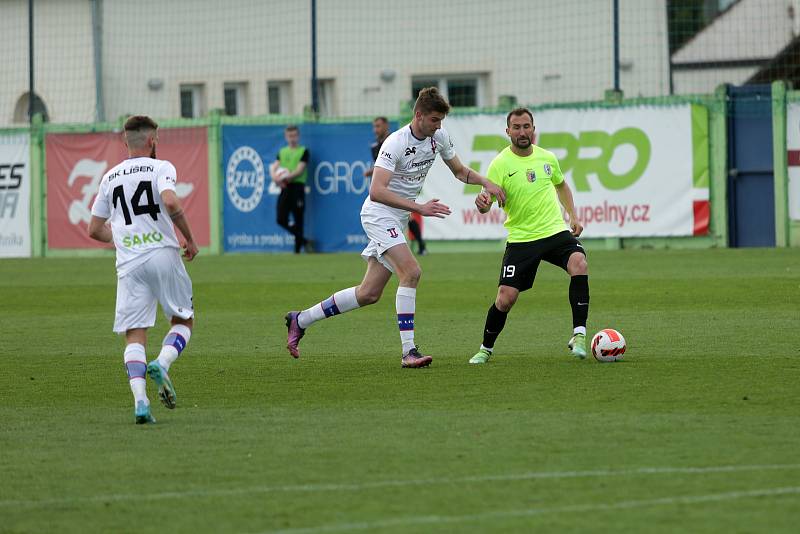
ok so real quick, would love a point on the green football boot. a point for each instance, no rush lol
(166, 392)
(482, 356)
(577, 344)
(142, 414)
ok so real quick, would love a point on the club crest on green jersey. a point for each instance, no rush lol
(531, 174)
(548, 170)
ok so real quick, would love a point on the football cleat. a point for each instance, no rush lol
(295, 334)
(482, 356)
(414, 359)
(166, 392)
(577, 344)
(142, 414)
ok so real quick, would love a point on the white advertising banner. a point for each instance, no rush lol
(634, 171)
(15, 196)
(793, 158)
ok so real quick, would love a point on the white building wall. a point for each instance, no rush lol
(698, 82)
(541, 52)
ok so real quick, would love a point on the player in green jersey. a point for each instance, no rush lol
(534, 186)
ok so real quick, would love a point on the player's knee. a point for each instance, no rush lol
(367, 296)
(505, 301)
(410, 277)
(578, 265)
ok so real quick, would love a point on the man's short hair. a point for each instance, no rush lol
(140, 122)
(430, 100)
(137, 130)
(516, 112)
(291, 128)
(381, 119)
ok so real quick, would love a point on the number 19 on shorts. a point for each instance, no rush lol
(509, 270)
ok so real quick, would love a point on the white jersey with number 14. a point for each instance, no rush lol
(130, 198)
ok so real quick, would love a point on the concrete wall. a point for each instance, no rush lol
(541, 52)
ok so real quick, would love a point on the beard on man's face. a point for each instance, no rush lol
(521, 141)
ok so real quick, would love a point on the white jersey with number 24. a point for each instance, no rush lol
(409, 158)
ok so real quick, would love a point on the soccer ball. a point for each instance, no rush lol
(281, 173)
(608, 345)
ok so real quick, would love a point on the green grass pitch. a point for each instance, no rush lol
(696, 431)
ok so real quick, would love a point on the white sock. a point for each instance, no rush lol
(487, 349)
(340, 302)
(579, 330)
(406, 304)
(136, 366)
(175, 341)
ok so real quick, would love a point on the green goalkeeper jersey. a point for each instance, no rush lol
(532, 204)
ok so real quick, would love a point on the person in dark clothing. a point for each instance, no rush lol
(289, 171)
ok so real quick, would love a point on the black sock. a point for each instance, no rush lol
(579, 299)
(495, 321)
(416, 231)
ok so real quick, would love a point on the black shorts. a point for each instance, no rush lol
(521, 260)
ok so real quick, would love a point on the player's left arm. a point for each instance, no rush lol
(565, 197)
(301, 167)
(468, 176)
(99, 230)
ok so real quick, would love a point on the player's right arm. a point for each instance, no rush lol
(379, 192)
(99, 230)
(273, 167)
(388, 159)
(484, 199)
(166, 187)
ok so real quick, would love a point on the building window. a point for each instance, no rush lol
(462, 93)
(327, 100)
(278, 98)
(192, 101)
(466, 90)
(21, 109)
(235, 98)
(418, 85)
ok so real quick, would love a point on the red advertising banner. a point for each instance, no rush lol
(77, 162)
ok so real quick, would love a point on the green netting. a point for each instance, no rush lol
(97, 60)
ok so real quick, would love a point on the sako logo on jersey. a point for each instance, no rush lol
(147, 238)
(244, 179)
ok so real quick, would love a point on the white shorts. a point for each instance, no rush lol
(162, 278)
(384, 232)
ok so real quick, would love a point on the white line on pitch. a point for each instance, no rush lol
(361, 486)
(528, 512)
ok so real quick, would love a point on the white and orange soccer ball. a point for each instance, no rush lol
(608, 345)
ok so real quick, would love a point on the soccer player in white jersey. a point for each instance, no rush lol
(399, 174)
(133, 209)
